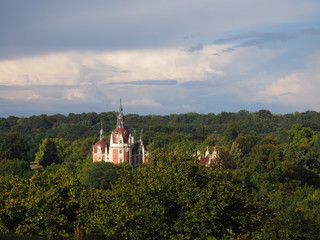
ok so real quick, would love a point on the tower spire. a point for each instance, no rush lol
(120, 119)
(101, 131)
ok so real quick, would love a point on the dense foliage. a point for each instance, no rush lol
(268, 186)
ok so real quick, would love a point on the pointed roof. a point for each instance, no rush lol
(120, 118)
(102, 144)
(101, 131)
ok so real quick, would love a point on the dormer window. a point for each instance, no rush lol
(99, 149)
(120, 141)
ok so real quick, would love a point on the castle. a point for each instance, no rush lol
(122, 146)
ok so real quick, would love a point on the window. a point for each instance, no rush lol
(120, 151)
(120, 141)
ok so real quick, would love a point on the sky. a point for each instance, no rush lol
(159, 57)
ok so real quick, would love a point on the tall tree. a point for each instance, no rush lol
(13, 146)
(51, 150)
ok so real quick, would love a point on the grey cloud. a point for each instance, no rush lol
(149, 82)
(198, 84)
(310, 31)
(197, 47)
(37, 27)
(32, 87)
(228, 50)
(256, 38)
(48, 106)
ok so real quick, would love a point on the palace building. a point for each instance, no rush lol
(209, 159)
(122, 146)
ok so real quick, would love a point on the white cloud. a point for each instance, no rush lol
(52, 69)
(121, 66)
(245, 59)
(99, 76)
(299, 89)
(104, 77)
(87, 68)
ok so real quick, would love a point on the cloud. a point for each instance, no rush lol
(256, 38)
(50, 69)
(135, 67)
(299, 89)
(261, 39)
(150, 82)
(197, 47)
(310, 31)
(251, 39)
(130, 25)
(155, 81)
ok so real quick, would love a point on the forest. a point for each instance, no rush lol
(268, 186)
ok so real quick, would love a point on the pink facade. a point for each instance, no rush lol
(121, 148)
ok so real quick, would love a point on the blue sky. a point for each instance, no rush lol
(159, 57)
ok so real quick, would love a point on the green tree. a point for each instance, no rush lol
(53, 206)
(16, 167)
(294, 216)
(246, 143)
(302, 135)
(51, 150)
(232, 130)
(177, 199)
(100, 175)
(13, 145)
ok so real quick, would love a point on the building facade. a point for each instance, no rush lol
(209, 159)
(122, 146)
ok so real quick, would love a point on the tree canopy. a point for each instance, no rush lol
(266, 187)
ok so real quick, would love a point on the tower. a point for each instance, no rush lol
(121, 141)
(122, 146)
(100, 149)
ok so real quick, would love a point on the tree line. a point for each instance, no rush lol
(266, 188)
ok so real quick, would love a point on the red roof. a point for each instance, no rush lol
(203, 161)
(100, 143)
(120, 132)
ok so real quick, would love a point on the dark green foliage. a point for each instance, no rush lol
(50, 151)
(267, 186)
(178, 199)
(48, 205)
(246, 143)
(100, 175)
(193, 125)
(16, 167)
(7, 236)
(232, 130)
(13, 145)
